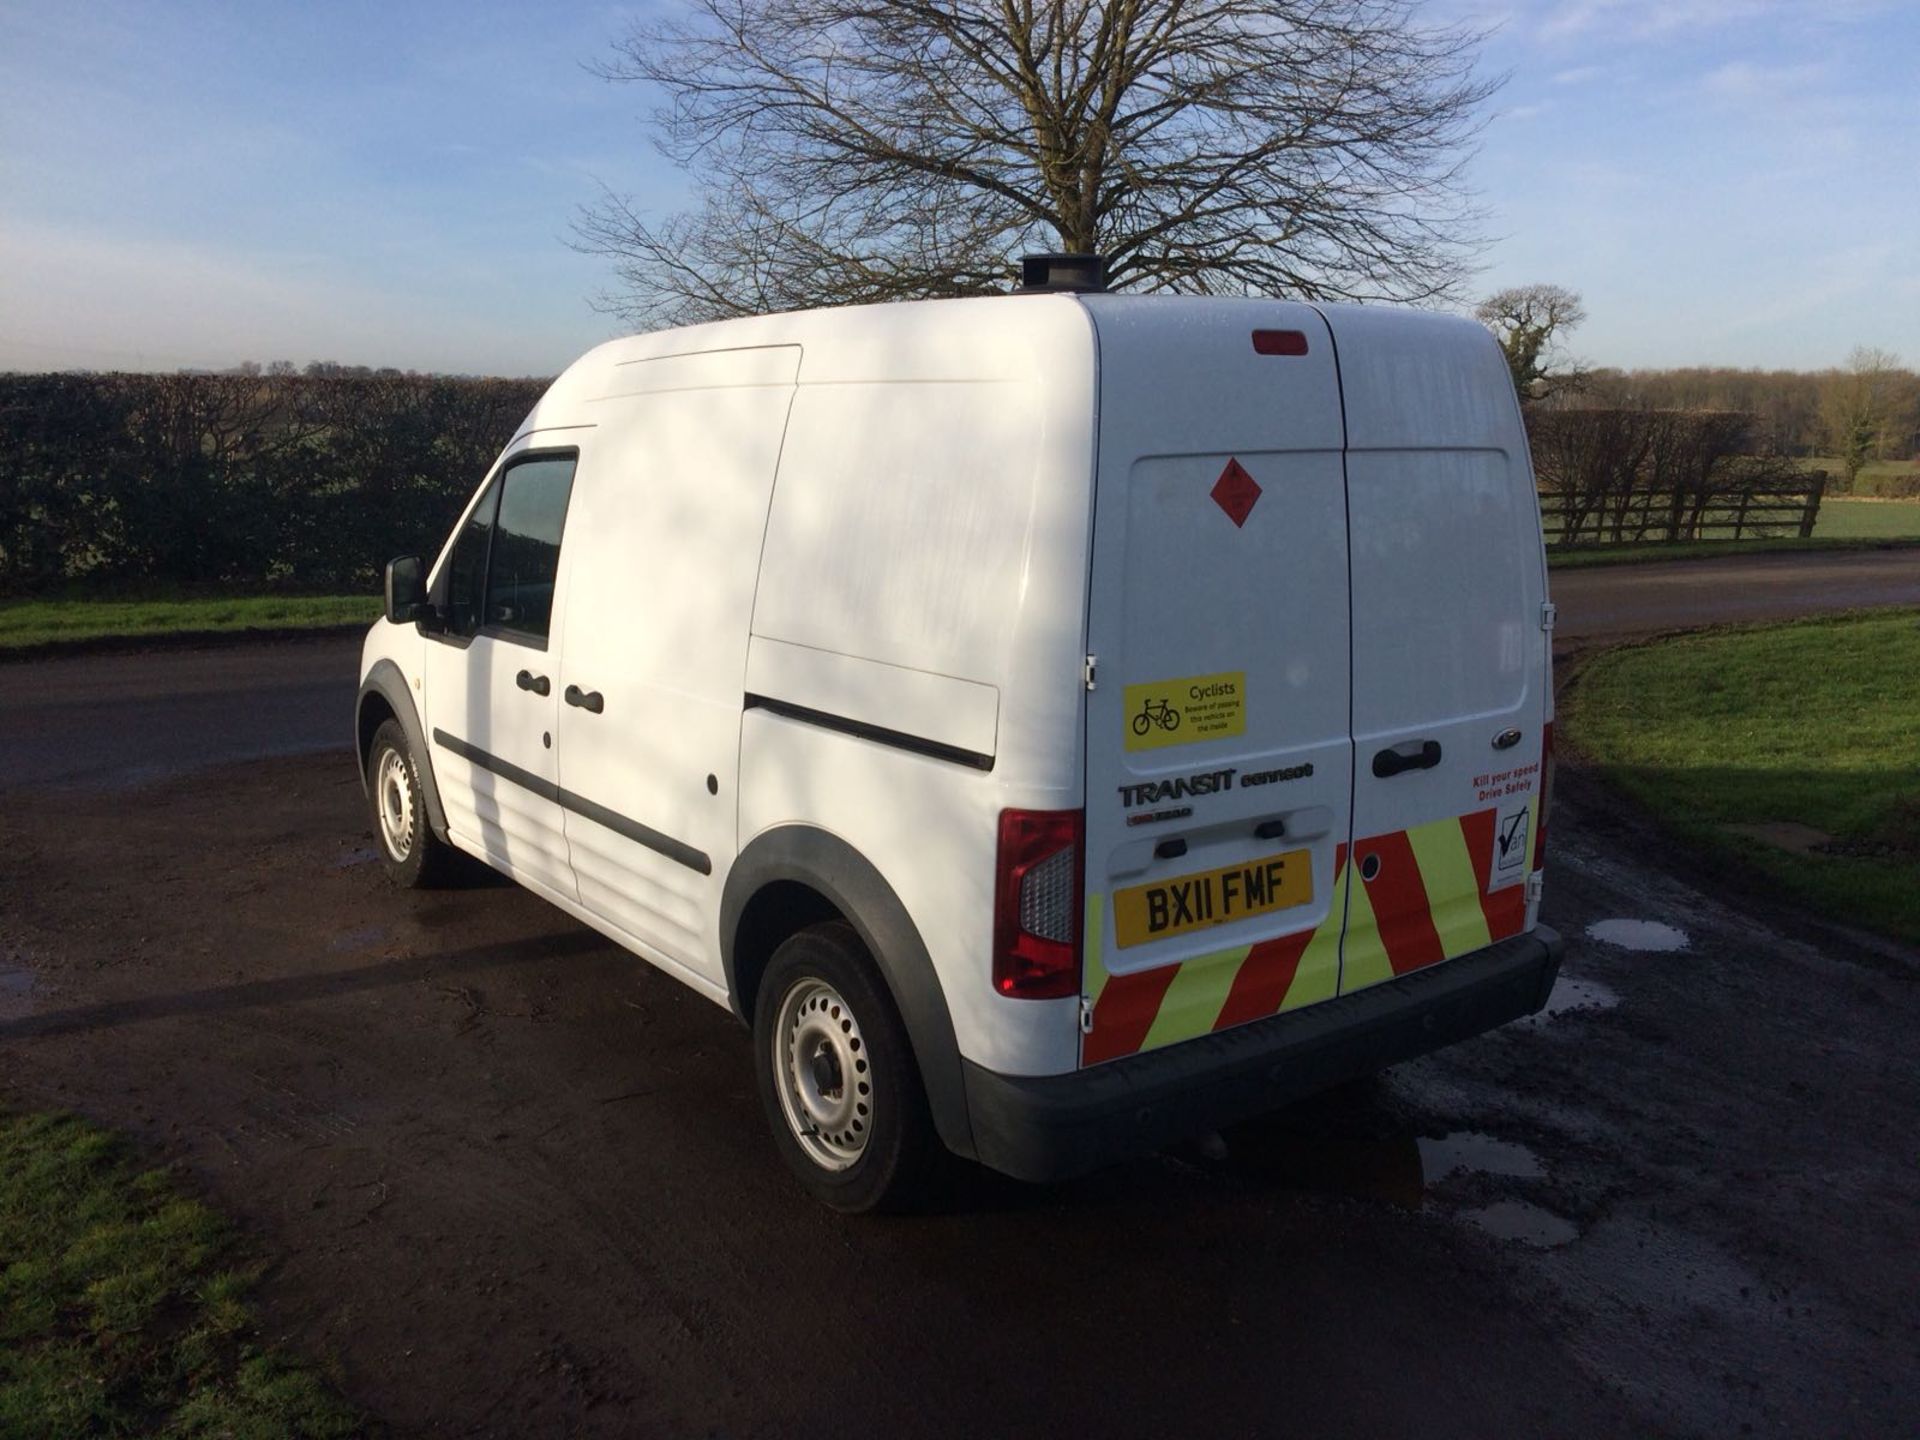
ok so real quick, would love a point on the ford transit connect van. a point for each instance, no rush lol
(1056, 724)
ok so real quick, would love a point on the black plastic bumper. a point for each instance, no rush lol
(1052, 1126)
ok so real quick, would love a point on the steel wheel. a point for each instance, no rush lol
(822, 1074)
(393, 798)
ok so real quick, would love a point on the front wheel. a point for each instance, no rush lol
(415, 857)
(837, 1075)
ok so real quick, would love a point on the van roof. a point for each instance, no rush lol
(1023, 336)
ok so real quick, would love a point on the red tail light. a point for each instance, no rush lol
(1038, 897)
(1546, 795)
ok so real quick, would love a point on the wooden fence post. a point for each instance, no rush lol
(1811, 513)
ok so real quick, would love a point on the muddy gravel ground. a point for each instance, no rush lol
(513, 1183)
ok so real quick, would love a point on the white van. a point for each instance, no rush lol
(1056, 723)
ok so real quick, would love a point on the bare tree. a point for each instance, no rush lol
(1857, 406)
(1531, 322)
(851, 150)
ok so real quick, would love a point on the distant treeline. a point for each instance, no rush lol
(239, 480)
(1795, 412)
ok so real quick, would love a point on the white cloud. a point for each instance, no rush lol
(1743, 80)
(1579, 74)
(1640, 19)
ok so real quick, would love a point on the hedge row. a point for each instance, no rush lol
(315, 481)
(238, 480)
(1637, 473)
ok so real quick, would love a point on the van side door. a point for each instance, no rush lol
(1450, 649)
(668, 531)
(491, 675)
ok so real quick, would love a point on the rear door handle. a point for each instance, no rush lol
(590, 700)
(1392, 762)
(538, 684)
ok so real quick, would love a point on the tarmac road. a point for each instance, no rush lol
(515, 1183)
(121, 718)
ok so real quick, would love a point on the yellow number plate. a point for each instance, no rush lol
(1212, 897)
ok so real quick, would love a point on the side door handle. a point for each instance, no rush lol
(589, 700)
(1393, 762)
(538, 684)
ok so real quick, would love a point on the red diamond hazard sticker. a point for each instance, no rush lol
(1235, 491)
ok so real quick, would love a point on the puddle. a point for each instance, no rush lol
(1474, 1153)
(365, 855)
(16, 982)
(1517, 1220)
(1400, 1170)
(1646, 936)
(1570, 994)
(363, 938)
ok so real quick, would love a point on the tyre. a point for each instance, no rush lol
(1140, 724)
(1172, 722)
(415, 857)
(837, 1076)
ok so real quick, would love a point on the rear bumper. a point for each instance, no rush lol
(1052, 1126)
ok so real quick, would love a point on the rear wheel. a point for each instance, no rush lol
(415, 857)
(837, 1075)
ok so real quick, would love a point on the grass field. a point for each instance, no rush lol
(1847, 519)
(40, 622)
(122, 1308)
(1794, 747)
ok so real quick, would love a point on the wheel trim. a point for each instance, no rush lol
(822, 1072)
(393, 796)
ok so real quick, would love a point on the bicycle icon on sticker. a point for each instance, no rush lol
(1156, 712)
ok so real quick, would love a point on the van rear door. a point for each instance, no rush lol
(1450, 649)
(1218, 744)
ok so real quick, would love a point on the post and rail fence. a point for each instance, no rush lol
(1769, 509)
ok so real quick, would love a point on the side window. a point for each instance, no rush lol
(525, 556)
(467, 566)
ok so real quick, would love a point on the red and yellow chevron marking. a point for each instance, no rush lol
(1427, 902)
(1150, 1008)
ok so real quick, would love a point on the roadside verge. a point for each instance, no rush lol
(1791, 749)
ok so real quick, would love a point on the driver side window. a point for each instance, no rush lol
(501, 574)
(467, 566)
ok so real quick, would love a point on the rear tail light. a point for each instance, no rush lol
(1037, 904)
(1546, 795)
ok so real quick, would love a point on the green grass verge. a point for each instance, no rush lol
(1585, 557)
(42, 621)
(1814, 723)
(1844, 524)
(123, 1306)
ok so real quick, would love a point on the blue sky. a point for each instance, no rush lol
(198, 182)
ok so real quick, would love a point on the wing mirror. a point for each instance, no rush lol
(407, 602)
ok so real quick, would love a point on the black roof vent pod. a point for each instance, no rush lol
(1063, 272)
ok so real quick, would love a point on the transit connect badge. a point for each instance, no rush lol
(1185, 711)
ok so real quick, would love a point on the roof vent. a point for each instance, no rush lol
(1063, 272)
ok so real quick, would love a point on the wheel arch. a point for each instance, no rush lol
(794, 876)
(384, 696)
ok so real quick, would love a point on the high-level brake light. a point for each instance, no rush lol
(1279, 342)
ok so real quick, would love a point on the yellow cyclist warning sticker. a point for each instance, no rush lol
(1184, 712)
